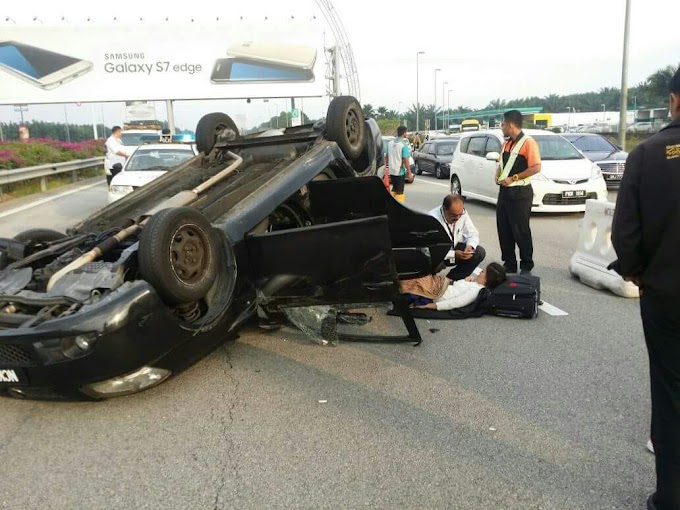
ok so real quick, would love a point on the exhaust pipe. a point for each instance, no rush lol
(181, 199)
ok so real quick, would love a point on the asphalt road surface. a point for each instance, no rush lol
(486, 413)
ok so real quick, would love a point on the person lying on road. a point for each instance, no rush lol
(447, 295)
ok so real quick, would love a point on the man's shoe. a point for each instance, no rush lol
(510, 269)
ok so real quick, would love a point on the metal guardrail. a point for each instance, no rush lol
(42, 172)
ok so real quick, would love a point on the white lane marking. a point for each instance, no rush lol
(552, 310)
(48, 199)
(433, 183)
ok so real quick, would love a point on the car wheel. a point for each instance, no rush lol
(455, 186)
(345, 126)
(438, 172)
(418, 170)
(177, 255)
(210, 127)
(38, 235)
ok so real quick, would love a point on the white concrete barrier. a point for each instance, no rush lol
(595, 252)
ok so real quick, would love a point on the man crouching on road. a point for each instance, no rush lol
(466, 254)
(397, 161)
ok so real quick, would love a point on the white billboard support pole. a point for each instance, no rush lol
(94, 122)
(171, 115)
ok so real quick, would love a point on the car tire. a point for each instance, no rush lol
(438, 172)
(178, 255)
(210, 127)
(456, 189)
(345, 126)
(38, 235)
(418, 170)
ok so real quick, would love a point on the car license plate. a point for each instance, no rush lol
(574, 193)
(12, 376)
(614, 177)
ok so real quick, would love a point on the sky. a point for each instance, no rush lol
(485, 50)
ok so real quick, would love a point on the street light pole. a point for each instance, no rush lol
(435, 98)
(417, 86)
(604, 112)
(623, 119)
(569, 119)
(443, 103)
(448, 102)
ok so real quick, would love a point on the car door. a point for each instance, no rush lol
(361, 243)
(426, 159)
(493, 144)
(474, 166)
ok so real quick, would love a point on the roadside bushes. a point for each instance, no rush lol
(42, 151)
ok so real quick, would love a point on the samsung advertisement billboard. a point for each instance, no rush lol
(64, 64)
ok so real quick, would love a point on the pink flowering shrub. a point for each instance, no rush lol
(41, 151)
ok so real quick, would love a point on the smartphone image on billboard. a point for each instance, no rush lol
(42, 68)
(292, 55)
(240, 70)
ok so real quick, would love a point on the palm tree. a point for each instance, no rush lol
(496, 104)
(382, 111)
(368, 110)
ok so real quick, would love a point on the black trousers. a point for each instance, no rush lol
(109, 178)
(512, 222)
(661, 324)
(398, 182)
(464, 268)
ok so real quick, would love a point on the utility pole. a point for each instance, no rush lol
(443, 105)
(417, 86)
(68, 133)
(623, 118)
(435, 98)
(171, 115)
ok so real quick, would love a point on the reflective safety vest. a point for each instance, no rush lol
(507, 168)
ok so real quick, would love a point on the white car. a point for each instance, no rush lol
(567, 178)
(133, 138)
(148, 162)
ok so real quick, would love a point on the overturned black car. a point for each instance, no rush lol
(253, 226)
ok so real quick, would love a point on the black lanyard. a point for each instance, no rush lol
(447, 225)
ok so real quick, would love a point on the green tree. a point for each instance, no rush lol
(368, 110)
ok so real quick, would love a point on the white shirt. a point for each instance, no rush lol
(459, 294)
(395, 156)
(462, 231)
(113, 145)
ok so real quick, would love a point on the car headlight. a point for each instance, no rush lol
(596, 172)
(539, 177)
(122, 190)
(142, 379)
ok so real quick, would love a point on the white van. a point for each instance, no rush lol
(566, 181)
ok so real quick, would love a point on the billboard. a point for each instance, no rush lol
(66, 64)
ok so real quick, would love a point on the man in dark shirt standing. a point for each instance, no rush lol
(646, 236)
(519, 161)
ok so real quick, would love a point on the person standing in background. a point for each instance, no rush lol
(397, 161)
(519, 161)
(115, 152)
